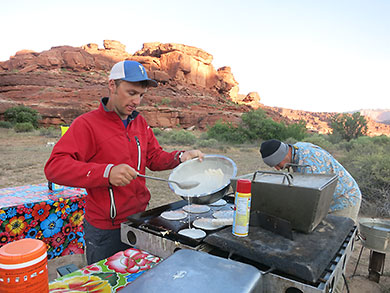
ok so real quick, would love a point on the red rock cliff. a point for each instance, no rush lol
(64, 82)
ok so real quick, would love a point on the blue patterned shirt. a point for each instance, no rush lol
(347, 191)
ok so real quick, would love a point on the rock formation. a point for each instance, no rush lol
(64, 82)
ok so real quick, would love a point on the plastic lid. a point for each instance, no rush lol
(21, 251)
(244, 185)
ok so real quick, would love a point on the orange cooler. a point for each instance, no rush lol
(23, 267)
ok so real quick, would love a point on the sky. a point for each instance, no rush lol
(317, 55)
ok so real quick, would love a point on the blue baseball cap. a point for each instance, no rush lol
(132, 71)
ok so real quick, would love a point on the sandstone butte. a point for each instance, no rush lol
(64, 82)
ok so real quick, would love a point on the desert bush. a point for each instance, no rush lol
(207, 143)
(5, 124)
(368, 161)
(175, 137)
(226, 132)
(22, 114)
(349, 126)
(256, 126)
(165, 101)
(320, 140)
(334, 138)
(260, 126)
(295, 130)
(183, 137)
(157, 131)
(50, 132)
(23, 127)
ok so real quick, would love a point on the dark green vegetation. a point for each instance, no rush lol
(349, 126)
(23, 119)
(256, 125)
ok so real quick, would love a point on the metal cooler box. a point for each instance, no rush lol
(301, 199)
(195, 271)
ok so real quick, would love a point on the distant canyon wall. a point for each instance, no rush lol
(64, 82)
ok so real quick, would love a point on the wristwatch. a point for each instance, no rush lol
(181, 154)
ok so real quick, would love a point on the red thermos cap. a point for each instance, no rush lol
(244, 186)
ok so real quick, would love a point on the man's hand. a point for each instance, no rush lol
(188, 155)
(121, 175)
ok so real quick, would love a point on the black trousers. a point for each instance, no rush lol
(101, 244)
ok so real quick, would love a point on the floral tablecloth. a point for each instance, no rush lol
(34, 211)
(108, 275)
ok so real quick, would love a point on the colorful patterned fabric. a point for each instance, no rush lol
(347, 191)
(108, 275)
(34, 211)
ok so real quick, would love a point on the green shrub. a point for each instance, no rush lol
(157, 131)
(23, 127)
(50, 132)
(349, 126)
(203, 136)
(335, 138)
(255, 126)
(368, 161)
(165, 101)
(320, 140)
(259, 125)
(5, 124)
(22, 114)
(295, 130)
(183, 137)
(226, 132)
(207, 143)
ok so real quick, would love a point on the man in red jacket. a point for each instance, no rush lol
(103, 151)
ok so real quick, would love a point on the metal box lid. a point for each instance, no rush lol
(302, 199)
(310, 181)
(195, 271)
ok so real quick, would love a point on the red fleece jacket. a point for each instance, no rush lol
(94, 143)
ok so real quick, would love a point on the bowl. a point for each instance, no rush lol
(213, 175)
(375, 233)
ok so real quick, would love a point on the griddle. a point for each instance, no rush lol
(152, 222)
(306, 257)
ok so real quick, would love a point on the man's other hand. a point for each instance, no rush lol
(188, 155)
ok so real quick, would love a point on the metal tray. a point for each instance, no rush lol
(301, 199)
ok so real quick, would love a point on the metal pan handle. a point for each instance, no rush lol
(286, 176)
(288, 165)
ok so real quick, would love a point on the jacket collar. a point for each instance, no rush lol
(103, 104)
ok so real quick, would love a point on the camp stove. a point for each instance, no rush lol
(312, 262)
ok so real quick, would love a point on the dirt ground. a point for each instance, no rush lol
(23, 157)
